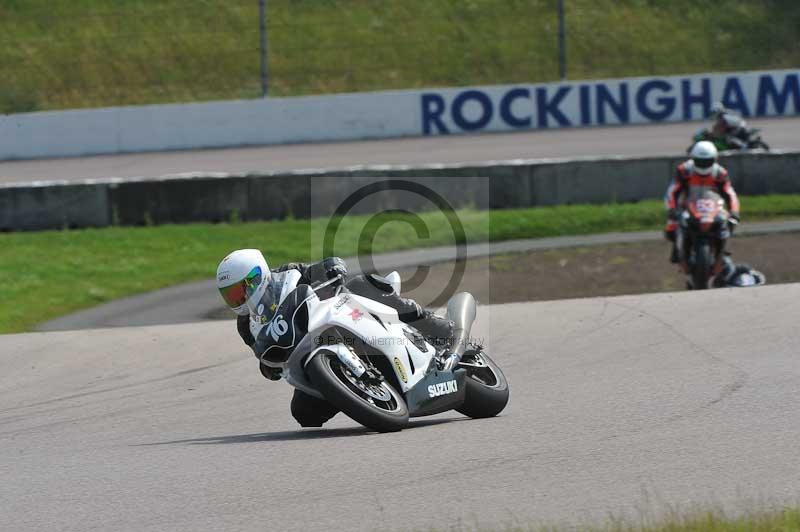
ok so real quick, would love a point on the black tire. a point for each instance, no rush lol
(703, 263)
(329, 376)
(486, 388)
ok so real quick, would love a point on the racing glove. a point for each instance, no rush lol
(733, 221)
(319, 272)
(335, 266)
(273, 374)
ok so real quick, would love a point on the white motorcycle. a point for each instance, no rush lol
(355, 353)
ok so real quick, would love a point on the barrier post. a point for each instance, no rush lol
(262, 30)
(562, 41)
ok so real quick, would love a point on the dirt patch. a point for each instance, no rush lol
(602, 270)
(590, 272)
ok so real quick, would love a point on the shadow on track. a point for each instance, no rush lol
(295, 435)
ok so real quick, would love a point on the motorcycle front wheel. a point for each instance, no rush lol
(486, 388)
(376, 405)
(703, 265)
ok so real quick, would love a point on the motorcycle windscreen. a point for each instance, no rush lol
(269, 302)
(705, 204)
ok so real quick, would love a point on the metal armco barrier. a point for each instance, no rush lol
(226, 197)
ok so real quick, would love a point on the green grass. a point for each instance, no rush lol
(786, 520)
(78, 53)
(52, 273)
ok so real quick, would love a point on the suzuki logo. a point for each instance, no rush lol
(442, 388)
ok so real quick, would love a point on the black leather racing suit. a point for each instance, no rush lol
(308, 410)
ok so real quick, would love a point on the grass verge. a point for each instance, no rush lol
(82, 53)
(52, 273)
(785, 520)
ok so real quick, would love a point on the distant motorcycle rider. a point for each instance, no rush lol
(700, 171)
(253, 292)
(728, 132)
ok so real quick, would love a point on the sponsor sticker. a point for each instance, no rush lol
(352, 362)
(277, 327)
(400, 369)
(356, 314)
(442, 388)
(342, 302)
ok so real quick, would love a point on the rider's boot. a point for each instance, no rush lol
(310, 411)
(674, 256)
(438, 331)
(726, 272)
(671, 235)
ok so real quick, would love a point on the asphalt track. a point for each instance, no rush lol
(625, 406)
(664, 139)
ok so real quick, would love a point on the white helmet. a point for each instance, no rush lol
(704, 155)
(242, 278)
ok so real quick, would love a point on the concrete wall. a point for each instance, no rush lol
(511, 184)
(396, 113)
(54, 207)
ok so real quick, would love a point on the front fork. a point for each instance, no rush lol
(682, 243)
(717, 246)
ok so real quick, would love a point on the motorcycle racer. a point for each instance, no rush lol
(701, 170)
(253, 291)
(729, 131)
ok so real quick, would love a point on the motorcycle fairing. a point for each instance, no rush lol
(377, 321)
(280, 286)
(427, 390)
(438, 391)
(704, 219)
(706, 209)
(378, 326)
(276, 340)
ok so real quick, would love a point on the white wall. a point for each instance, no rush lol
(395, 114)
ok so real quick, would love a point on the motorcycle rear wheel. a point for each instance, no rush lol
(486, 387)
(377, 406)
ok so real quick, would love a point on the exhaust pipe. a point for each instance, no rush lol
(461, 310)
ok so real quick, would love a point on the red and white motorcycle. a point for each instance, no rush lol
(702, 236)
